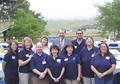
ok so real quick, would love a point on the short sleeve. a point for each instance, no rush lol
(78, 59)
(32, 64)
(7, 57)
(92, 60)
(21, 55)
(48, 62)
(113, 60)
(62, 60)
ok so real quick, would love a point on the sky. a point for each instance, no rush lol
(67, 9)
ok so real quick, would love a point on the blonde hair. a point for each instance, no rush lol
(45, 38)
(23, 42)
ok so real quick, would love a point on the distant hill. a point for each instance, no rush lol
(53, 26)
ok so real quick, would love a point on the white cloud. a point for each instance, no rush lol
(66, 9)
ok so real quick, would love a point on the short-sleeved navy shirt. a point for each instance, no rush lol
(86, 57)
(39, 62)
(55, 67)
(24, 55)
(77, 46)
(11, 68)
(71, 68)
(103, 63)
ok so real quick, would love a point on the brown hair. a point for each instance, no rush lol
(69, 45)
(10, 49)
(54, 47)
(46, 38)
(23, 42)
(90, 38)
(109, 53)
(79, 30)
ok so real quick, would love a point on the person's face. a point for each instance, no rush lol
(54, 52)
(27, 44)
(89, 42)
(13, 46)
(79, 34)
(61, 34)
(103, 48)
(44, 41)
(69, 49)
(39, 48)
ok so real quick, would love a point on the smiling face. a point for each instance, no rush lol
(103, 48)
(39, 48)
(54, 52)
(44, 41)
(27, 44)
(79, 34)
(89, 42)
(62, 33)
(14, 46)
(69, 50)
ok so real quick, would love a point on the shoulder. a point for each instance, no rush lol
(67, 39)
(73, 41)
(8, 54)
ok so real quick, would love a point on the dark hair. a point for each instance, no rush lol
(54, 47)
(79, 30)
(10, 49)
(109, 53)
(69, 45)
(88, 38)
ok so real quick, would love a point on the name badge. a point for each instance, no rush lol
(75, 46)
(27, 55)
(59, 60)
(66, 59)
(13, 57)
(107, 58)
(43, 62)
(92, 55)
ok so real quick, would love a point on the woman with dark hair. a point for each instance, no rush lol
(72, 65)
(103, 65)
(55, 66)
(86, 55)
(25, 57)
(10, 64)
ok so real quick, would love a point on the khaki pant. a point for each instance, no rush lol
(70, 81)
(25, 78)
(88, 80)
(36, 80)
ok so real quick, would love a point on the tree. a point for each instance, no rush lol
(109, 18)
(25, 24)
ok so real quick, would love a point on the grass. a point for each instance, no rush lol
(53, 26)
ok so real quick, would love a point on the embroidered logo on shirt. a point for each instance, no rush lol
(107, 58)
(13, 57)
(66, 59)
(27, 55)
(73, 58)
(43, 62)
(58, 60)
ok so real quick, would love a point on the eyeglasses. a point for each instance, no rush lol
(79, 33)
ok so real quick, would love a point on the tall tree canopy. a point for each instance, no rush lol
(26, 22)
(109, 18)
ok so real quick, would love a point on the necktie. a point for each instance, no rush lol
(62, 44)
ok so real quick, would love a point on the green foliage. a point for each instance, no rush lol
(25, 24)
(109, 19)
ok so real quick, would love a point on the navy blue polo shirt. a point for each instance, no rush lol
(86, 57)
(103, 63)
(55, 67)
(24, 55)
(39, 62)
(77, 46)
(11, 68)
(71, 68)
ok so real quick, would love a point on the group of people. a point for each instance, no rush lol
(65, 62)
